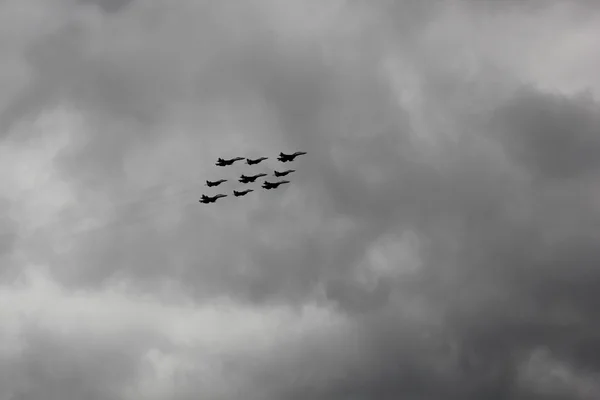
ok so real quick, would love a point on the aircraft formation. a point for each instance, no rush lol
(246, 179)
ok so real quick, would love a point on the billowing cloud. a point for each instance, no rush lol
(436, 241)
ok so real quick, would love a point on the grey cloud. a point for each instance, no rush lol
(554, 136)
(508, 263)
(6, 237)
(506, 266)
(299, 87)
(55, 366)
(9, 236)
(109, 6)
(127, 92)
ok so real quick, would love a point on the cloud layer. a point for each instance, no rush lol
(437, 241)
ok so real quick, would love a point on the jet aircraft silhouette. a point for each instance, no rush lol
(284, 173)
(222, 162)
(256, 161)
(215, 183)
(273, 185)
(242, 193)
(248, 179)
(289, 157)
(208, 199)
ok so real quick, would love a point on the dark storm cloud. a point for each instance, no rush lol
(529, 282)
(554, 136)
(508, 262)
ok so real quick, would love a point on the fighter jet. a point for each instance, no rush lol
(248, 179)
(284, 173)
(242, 193)
(258, 160)
(289, 157)
(207, 199)
(222, 162)
(215, 183)
(273, 185)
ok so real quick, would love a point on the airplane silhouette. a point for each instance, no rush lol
(273, 185)
(207, 199)
(248, 179)
(215, 183)
(242, 193)
(289, 157)
(258, 160)
(284, 173)
(222, 162)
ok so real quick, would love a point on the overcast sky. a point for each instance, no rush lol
(438, 241)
